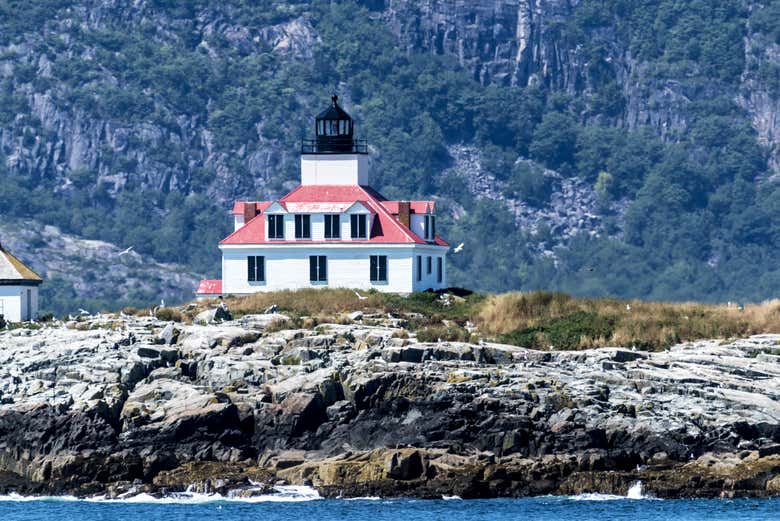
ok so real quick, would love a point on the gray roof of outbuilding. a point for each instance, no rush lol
(12, 268)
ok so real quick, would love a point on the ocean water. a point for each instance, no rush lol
(297, 503)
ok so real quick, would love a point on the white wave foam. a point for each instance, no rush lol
(594, 496)
(366, 498)
(288, 493)
(13, 496)
(636, 491)
(451, 498)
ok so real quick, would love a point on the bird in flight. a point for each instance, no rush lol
(458, 248)
(125, 252)
(84, 312)
(359, 296)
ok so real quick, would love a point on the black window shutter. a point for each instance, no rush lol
(336, 227)
(419, 267)
(374, 268)
(362, 220)
(353, 226)
(298, 227)
(433, 227)
(251, 269)
(438, 269)
(429, 265)
(313, 268)
(260, 268)
(307, 226)
(323, 268)
(382, 275)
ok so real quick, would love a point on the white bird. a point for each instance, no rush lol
(125, 252)
(458, 248)
(359, 296)
(628, 307)
(84, 312)
(162, 302)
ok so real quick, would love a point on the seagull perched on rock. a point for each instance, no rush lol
(458, 248)
(125, 252)
(359, 296)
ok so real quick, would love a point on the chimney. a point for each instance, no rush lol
(404, 211)
(250, 211)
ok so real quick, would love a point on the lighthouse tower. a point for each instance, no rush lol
(334, 157)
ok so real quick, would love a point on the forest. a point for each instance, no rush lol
(702, 218)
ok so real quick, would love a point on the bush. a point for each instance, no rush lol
(575, 331)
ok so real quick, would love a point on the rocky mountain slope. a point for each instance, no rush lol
(93, 273)
(123, 405)
(573, 130)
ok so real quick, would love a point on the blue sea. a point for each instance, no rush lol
(294, 508)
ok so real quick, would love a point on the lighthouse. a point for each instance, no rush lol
(333, 230)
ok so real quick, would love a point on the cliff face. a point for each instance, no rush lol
(525, 42)
(124, 405)
(150, 119)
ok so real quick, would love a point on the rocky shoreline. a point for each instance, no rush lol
(117, 404)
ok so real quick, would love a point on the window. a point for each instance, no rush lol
(318, 268)
(378, 268)
(430, 228)
(255, 268)
(439, 266)
(332, 228)
(303, 226)
(419, 268)
(276, 226)
(357, 224)
(430, 266)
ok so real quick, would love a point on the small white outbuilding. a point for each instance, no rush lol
(18, 289)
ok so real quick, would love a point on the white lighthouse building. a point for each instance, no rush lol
(333, 230)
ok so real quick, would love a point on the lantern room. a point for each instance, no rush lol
(334, 130)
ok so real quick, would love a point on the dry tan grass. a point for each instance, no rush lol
(308, 302)
(651, 325)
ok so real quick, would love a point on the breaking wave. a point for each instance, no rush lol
(636, 491)
(287, 493)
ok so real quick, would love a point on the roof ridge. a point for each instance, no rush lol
(406, 231)
(25, 272)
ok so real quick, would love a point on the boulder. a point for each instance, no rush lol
(169, 335)
(405, 465)
(222, 314)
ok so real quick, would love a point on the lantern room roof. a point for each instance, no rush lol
(334, 111)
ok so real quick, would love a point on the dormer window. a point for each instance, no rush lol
(358, 227)
(332, 227)
(276, 226)
(303, 226)
(430, 228)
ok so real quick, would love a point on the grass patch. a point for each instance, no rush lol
(580, 329)
(540, 319)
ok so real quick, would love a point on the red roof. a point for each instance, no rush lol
(414, 206)
(385, 230)
(209, 287)
(238, 207)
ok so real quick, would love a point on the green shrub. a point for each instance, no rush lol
(568, 332)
